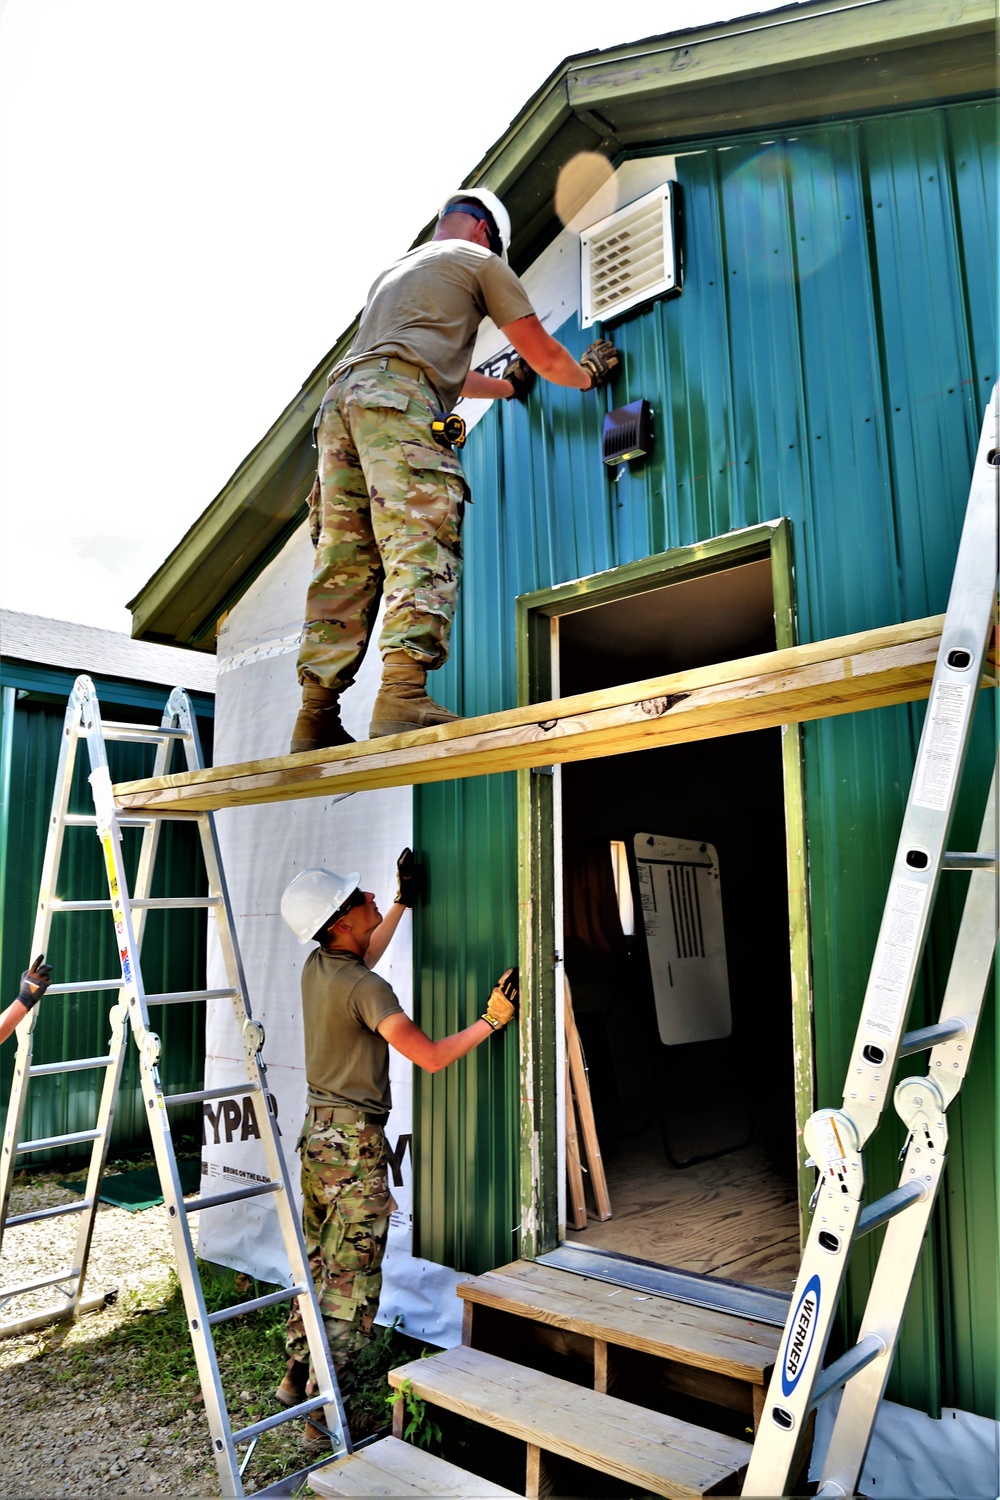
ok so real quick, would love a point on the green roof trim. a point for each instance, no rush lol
(820, 60)
(56, 683)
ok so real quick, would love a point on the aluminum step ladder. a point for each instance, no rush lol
(131, 1012)
(835, 1138)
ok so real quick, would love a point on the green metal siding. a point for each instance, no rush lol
(828, 360)
(82, 945)
(466, 1118)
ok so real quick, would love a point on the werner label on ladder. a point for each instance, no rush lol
(836, 1138)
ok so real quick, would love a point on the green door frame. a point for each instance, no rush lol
(542, 1094)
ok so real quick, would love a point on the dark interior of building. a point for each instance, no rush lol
(683, 1127)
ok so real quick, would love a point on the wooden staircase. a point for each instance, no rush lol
(391, 1467)
(583, 1374)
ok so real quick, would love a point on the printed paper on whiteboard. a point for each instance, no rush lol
(681, 903)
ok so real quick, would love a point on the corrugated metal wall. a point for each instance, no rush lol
(82, 945)
(828, 360)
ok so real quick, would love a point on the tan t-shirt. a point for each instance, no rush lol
(347, 1062)
(427, 309)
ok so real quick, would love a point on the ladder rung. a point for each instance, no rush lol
(85, 986)
(142, 734)
(176, 997)
(195, 1205)
(171, 903)
(982, 860)
(57, 1314)
(44, 1070)
(50, 1213)
(888, 1207)
(201, 1094)
(849, 1364)
(128, 820)
(7, 1292)
(59, 1140)
(239, 1308)
(289, 1415)
(143, 903)
(929, 1036)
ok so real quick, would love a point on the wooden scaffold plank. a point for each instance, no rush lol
(871, 669)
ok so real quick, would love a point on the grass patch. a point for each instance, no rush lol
(251, 1355)
(369, 1408)
(137, 1374)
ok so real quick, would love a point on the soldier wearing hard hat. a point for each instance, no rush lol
(351, 1018)
(387, 507)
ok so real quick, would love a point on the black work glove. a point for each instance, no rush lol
(503, 1002)
(521, 376)
(601, 360)
(34, 982)
(408, 879)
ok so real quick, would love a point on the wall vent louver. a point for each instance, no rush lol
(629, 257)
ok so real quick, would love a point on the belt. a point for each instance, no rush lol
(387, 362)
(343, 1114)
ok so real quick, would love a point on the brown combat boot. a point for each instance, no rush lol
(318, 725)
(292, 1390)
(402, 703)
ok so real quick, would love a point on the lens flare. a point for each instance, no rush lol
(585, 190)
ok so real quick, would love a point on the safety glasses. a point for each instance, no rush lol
(356, 898)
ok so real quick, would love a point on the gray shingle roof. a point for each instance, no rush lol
(104, 653)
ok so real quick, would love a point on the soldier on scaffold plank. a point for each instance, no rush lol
(387, 508)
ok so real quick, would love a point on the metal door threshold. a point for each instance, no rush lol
(757, 1303)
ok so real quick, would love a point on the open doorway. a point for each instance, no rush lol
(660, 857)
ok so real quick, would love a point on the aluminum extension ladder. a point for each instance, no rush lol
(835, 1138)
(131, 1011)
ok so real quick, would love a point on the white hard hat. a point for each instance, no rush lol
(493, 206)
(310, 900)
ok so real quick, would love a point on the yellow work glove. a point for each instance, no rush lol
(502, 1004)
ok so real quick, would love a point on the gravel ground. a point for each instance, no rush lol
(65, 1431)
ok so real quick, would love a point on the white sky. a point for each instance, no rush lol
(195, 197)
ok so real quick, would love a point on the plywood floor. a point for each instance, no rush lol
(734, 1216)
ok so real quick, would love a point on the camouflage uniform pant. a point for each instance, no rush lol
(388, 518)
(345, 1220)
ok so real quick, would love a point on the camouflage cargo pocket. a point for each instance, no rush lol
(375, 391)
(352, 1242)
(437, 492)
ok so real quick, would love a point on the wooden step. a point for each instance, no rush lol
(656, 1454)
(716, 1355)
(392, 1467)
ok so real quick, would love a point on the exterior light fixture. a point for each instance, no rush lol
(628, 433)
